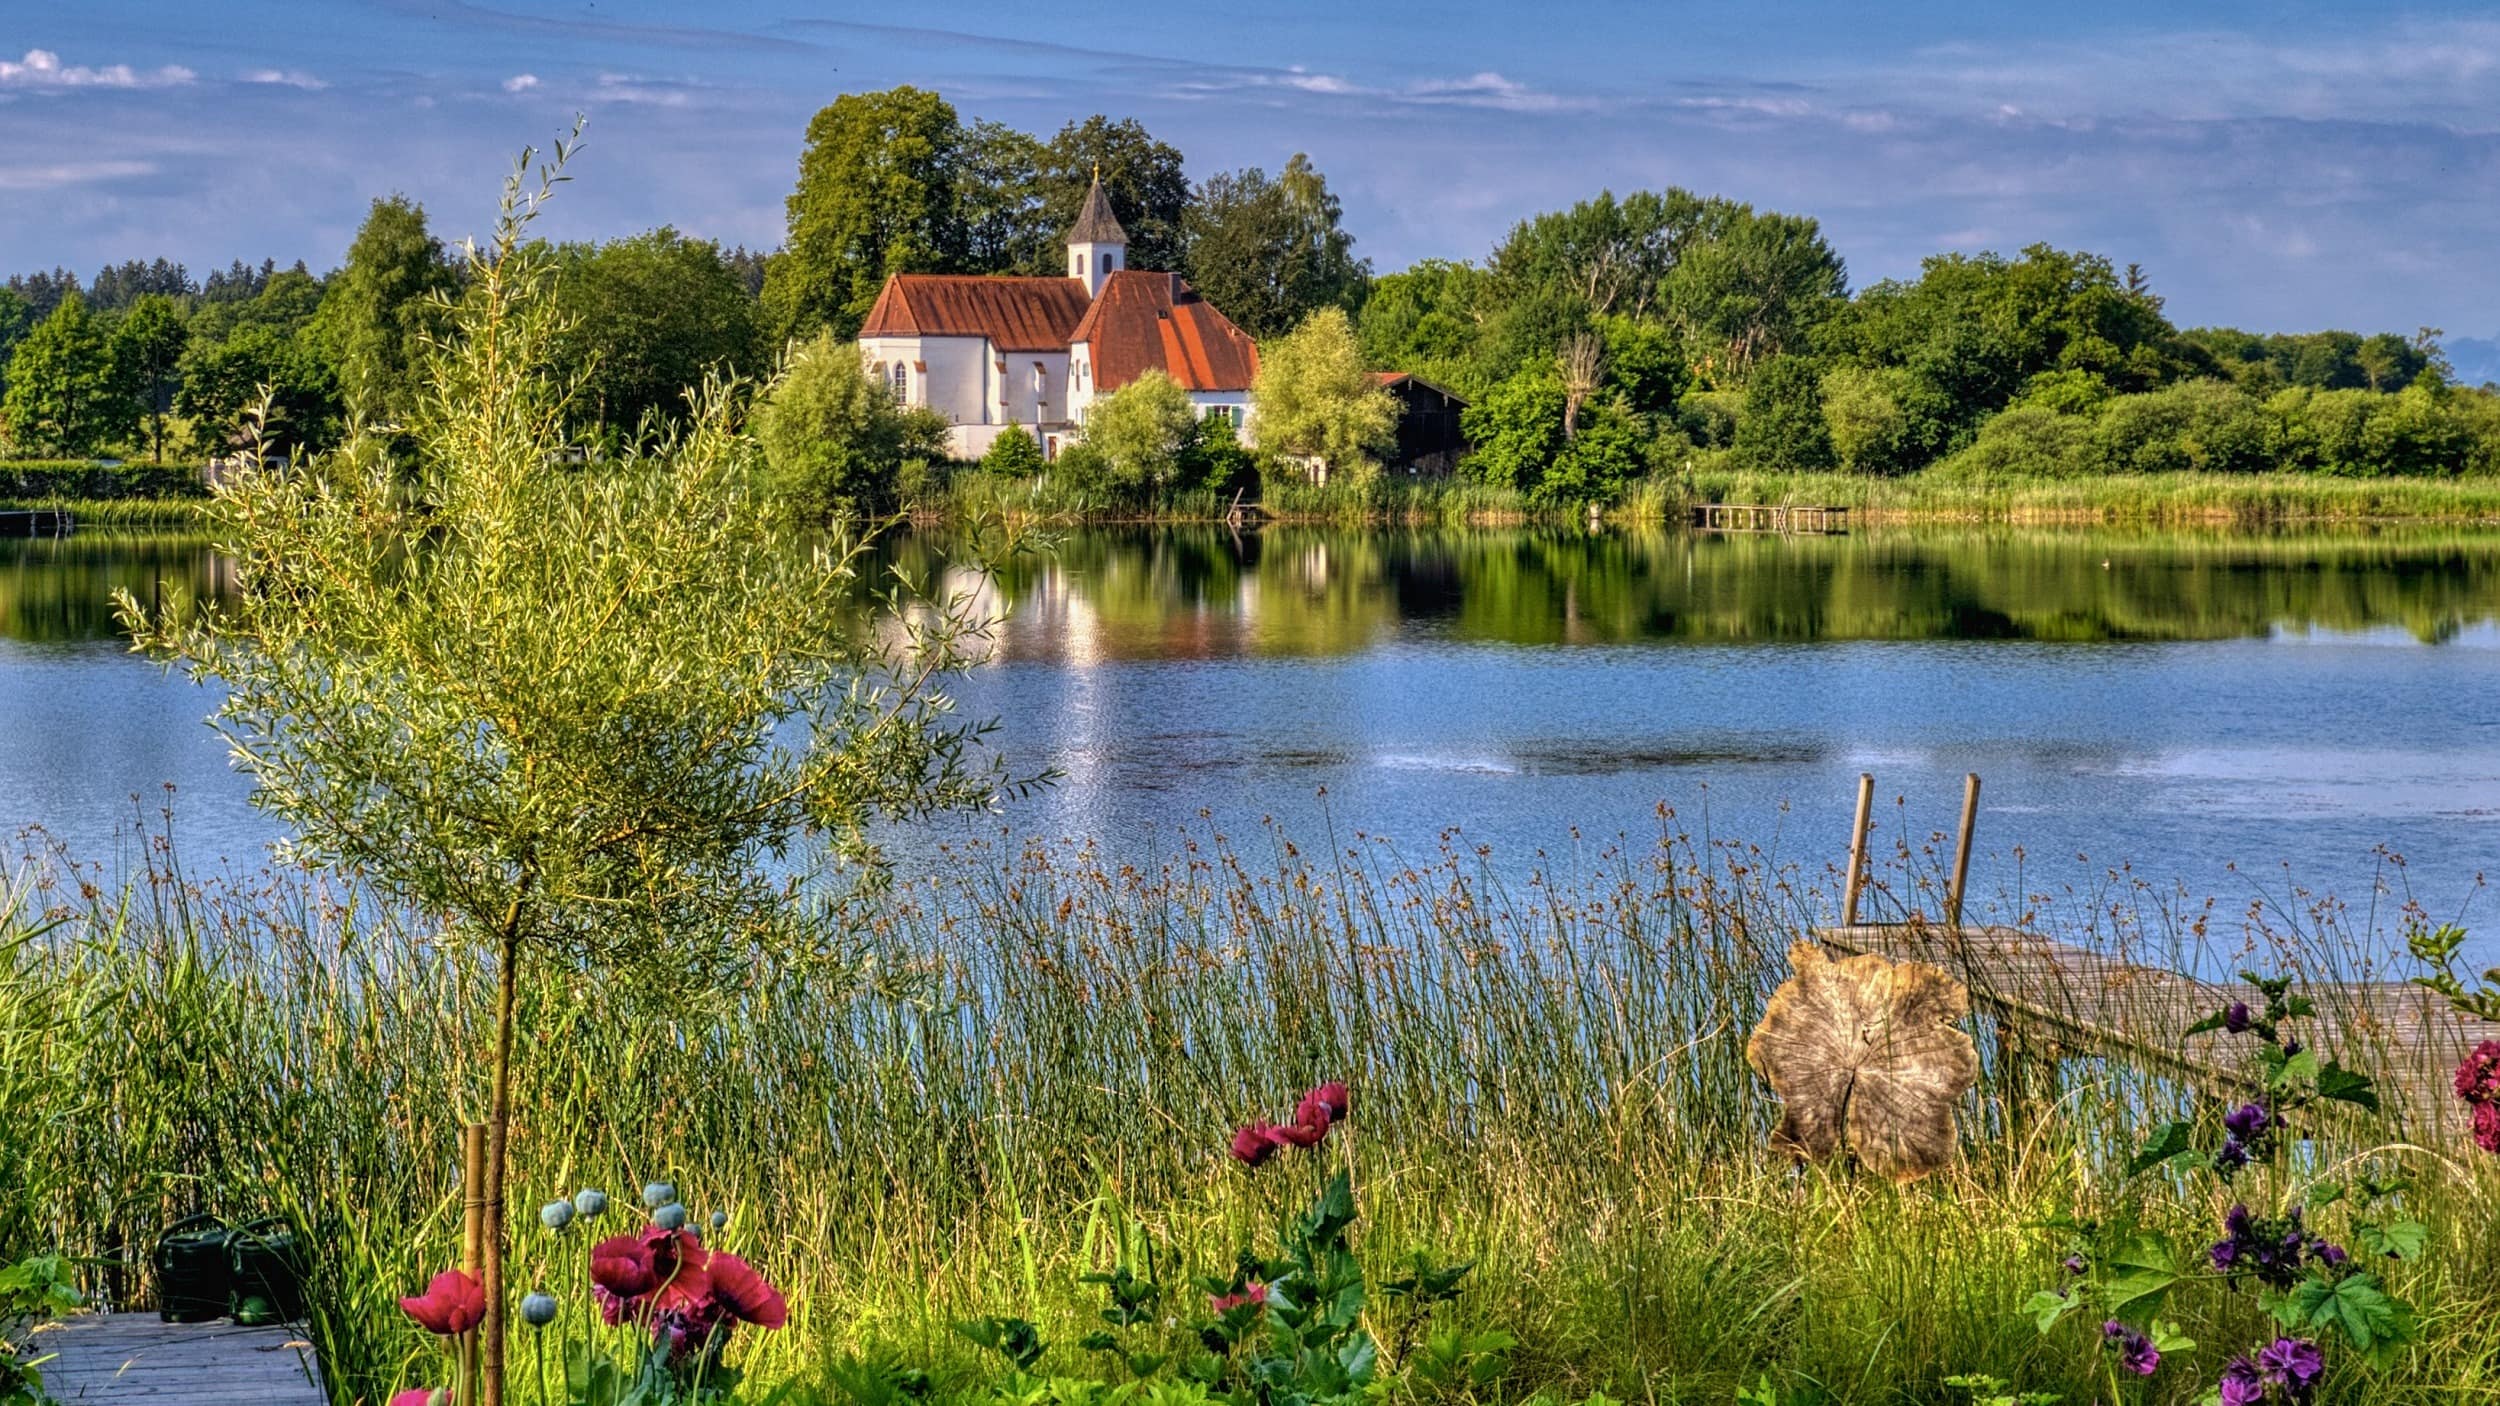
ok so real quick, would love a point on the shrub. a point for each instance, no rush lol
(85, 478)
(834, 439)
(1782, 425)
(1014, 455)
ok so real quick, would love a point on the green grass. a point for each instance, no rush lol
(2144, 498)
(988, 1079)
(119, 512)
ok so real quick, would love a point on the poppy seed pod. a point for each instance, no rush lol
(720, 1220)
(556, 1215)
(658, 1194)
(670, 1217)
(538, 1310)
(590, 1202)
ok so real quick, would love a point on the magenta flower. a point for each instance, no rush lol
(452, 1304)
(747, 1295)
(2487, 1126)
(2135, 1351)
(2478, 1078)
(1334, 1096)
(1256, 1143)
(1220, 1304)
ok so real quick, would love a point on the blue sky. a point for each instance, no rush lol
(2284, 166)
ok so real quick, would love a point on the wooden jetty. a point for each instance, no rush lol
(1793, 520)
(2054, 1001)
(35, 522)
(136, 1359)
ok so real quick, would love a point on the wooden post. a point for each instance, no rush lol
(1961, 851)
(472, 1242)
(1857, 849)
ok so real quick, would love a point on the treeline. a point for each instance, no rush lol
(1619, 343)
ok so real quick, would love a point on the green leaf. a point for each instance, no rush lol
(2347, 1086)
(2047, 1306)
(2168, 1340)
(2142, 1271)
(2401, 1240)
(2295, 1069)
(2170, 1140)
(2375, 1324)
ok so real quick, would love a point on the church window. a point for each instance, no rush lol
(902, 384)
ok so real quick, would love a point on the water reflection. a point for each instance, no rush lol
(1205, 592)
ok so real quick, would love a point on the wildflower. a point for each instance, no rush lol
(590, 1202)
(2478, 1078)
(556, 1215)
(422, 1396)
(2291, 1047)
(746, 1294)
(1254, 1293)
(2242, 1383)
(451, 1304)
(658, 1194)
(2268, 1250)
(620, 1268)
(2248, 1122)
(670, 1217)
(2236, 1019)
(2075, 1264)
(538, 1310)
(2232, 1156)
(1309, 1126)
(1333, 1095)
(1256, 1143)
(2135, 1351)
(2294, 1364)
(2487, 1126)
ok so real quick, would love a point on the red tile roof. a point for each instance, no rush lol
(1143, 321)
(1016, 314)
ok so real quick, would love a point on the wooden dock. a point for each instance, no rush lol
(1770, 517)
(134, 1359)
(35, 522)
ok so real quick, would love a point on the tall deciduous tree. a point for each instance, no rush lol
(1783, 425)
(1317, 402)
(649, 317)
(1140, 430)
(1007, 226)
(1142, 176)
(1270, 252)
(147, 354)
(877, 195)
(1611, 255)
(1754, 288)
(379, 311)
(572, 716)
(64, 396)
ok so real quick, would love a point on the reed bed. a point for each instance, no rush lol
(982, 1084)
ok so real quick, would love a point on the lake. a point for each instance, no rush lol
(2228, 713)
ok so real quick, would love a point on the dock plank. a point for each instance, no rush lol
(135, 1359)
(2064, 999)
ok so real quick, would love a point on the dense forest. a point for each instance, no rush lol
(1621, 341)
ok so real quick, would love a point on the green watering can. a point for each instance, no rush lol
(194, 1277)
(267, 1271)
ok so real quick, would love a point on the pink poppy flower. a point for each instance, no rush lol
(1334, 1096)
(748, 1296)
(1226, 1303)
(418, 1396)
(1309, 1126)
(1256, 1143)
(2487, 1126)
(621, 1266)
(451, 1304)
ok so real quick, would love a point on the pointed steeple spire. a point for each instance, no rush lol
(1095, 224)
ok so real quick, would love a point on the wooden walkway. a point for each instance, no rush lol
(1769, 517)
(2054, 1000)
(134, 1359)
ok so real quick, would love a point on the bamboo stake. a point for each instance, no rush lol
(472, 1198)
(1961, 850)
(1857, 849)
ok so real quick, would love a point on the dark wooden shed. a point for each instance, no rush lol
(1430, 441)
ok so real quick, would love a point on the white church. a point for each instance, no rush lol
(988, 351)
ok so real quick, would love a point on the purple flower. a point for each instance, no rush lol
(2242, 1384)
(2135, 1351)
(2295, 1363)
(2075, 1264)
(2290, 1048)
(2232, 1156)
(2248, 1122)
(2236, 1018)
(2269, 1250)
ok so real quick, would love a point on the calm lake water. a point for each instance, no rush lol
(2289, 705)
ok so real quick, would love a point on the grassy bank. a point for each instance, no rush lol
(988, 1084)
(119, 512)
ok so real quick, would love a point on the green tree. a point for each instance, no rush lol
(148, 345)
(570, 716)
(1610, 256)
(1007, 226)
(649, 317)
(15, 318)
(223, 384)
(380, 310)
(1517, 429)
(1014, 455)
(1142, 176)
(1271, 252)
(1318, 404)
(1140, 430)
(835, 441)
(1757, 286)
(1428, 319)
(1783, 425)
(64, 397)
(877, 195)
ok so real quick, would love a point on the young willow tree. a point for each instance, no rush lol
(577, 715)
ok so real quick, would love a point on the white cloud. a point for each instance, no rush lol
(42, 68)
(286, 78)
(627, 88)
(71, 173)
(520, 83)
(1486, 89)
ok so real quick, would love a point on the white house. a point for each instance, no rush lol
(989, 351)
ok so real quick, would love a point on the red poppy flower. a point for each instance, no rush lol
(737, 1287)
(1225, 1303)
(621, 1265)
(1256, 1143)
(416, 1396)
(1332, 1095)
(1310, 1124)
(451, 1304)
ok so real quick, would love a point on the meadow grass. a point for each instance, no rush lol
(2134, 498)
(985, 1083)
(119, 512)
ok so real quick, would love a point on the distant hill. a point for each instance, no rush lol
(2477, 359)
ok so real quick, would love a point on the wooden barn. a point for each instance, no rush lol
(1430, 441)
